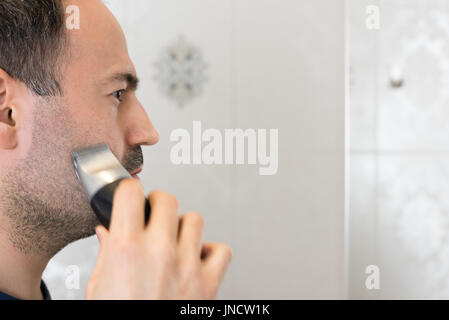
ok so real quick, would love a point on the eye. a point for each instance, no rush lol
(119, 95)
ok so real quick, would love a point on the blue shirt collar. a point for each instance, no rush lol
(44, 289)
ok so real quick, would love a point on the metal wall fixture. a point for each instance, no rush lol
(396, 76)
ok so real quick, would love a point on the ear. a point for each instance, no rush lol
(8, 111)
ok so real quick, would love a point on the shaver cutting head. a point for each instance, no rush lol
(100, 172)
(96, 167)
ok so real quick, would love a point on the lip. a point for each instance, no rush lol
(137, 171)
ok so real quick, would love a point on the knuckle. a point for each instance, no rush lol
(155, 193)
(159, 195)
(226, 250)
(173, 200)
(194, 218)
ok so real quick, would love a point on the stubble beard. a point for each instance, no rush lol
(45, 204)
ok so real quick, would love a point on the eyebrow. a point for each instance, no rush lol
(131, 80)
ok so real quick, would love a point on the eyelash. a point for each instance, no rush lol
(121, 94)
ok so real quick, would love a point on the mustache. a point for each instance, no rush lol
(133, 159)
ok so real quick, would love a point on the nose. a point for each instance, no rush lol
(139, 129)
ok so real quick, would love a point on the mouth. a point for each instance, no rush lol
(135, 173)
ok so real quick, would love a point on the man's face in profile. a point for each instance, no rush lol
(44, 201)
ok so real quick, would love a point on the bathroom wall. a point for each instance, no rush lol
(268, 64)
(399, 209)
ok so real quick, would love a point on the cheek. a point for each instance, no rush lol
(93, 113)
(97, 125)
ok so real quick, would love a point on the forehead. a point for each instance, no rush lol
(99, 47)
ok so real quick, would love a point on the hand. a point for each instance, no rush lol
(164, 260)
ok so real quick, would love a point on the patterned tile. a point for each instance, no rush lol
(409, 176)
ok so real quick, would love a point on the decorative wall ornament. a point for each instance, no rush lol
(181, 71)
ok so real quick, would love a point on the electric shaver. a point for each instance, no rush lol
(100, 172)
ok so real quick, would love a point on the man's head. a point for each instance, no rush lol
(60, 90)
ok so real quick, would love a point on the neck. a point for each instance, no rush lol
(20, 274)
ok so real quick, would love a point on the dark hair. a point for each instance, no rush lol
(32, 37)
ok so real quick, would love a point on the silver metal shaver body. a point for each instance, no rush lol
(100, 172)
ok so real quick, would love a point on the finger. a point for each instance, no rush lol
(164, 215)
(216, 258)
(128, 208)
(190, 237)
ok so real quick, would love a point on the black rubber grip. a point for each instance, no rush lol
(101, 203)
